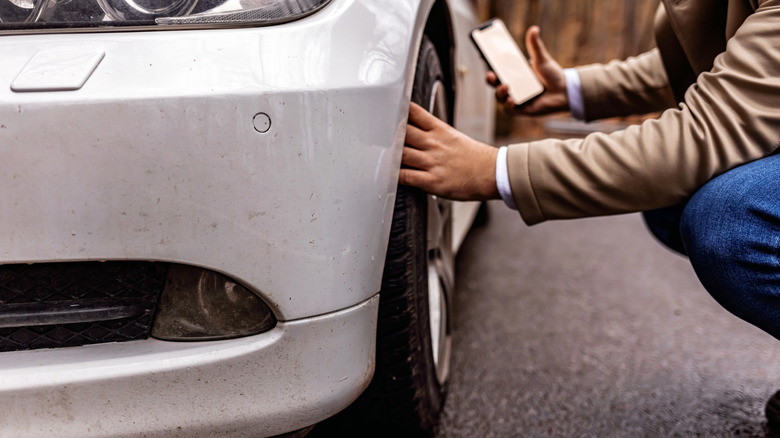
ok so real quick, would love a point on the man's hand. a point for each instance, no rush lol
(549, 72)
(445, 162)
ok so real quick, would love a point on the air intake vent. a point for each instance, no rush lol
(51, 305)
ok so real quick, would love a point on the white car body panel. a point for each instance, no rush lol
(163, 139)
(156, 157)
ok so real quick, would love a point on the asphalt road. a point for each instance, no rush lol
(590, 328)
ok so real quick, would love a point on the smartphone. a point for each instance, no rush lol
(504, 57)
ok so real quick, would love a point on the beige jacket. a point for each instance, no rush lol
(729, 116)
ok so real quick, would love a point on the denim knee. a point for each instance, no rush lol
(731, 231)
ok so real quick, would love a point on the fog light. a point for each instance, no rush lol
(200, 305)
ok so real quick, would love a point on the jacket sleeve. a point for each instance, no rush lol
(729, 117)
(638, 85)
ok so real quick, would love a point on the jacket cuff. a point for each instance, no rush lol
(520, 182)
(592, 96)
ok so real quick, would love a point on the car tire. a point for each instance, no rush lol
(406, 395)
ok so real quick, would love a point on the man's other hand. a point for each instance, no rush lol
(549, 72)
(445, 162)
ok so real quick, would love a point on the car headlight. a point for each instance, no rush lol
(170, 14)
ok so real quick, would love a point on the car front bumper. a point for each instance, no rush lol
(160, 155)
(296, 375)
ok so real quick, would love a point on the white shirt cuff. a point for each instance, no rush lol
(574, 93)
(502, 179)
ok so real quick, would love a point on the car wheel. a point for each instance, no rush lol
(407, 393)
(413, 340)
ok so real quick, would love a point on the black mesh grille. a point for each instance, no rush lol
(56, 287)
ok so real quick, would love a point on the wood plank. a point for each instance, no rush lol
(576, 32)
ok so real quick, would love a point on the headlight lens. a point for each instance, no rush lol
(170, 14)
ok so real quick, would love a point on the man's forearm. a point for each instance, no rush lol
(577, 107)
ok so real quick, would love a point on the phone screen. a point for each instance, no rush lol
(505, 58)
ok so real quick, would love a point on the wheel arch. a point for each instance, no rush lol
(439, 29)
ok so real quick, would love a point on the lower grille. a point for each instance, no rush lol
(52, 305)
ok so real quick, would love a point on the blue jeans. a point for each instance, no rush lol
(730, 230)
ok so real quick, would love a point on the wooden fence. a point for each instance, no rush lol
(576, 32)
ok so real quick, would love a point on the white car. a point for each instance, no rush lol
(202, 232)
